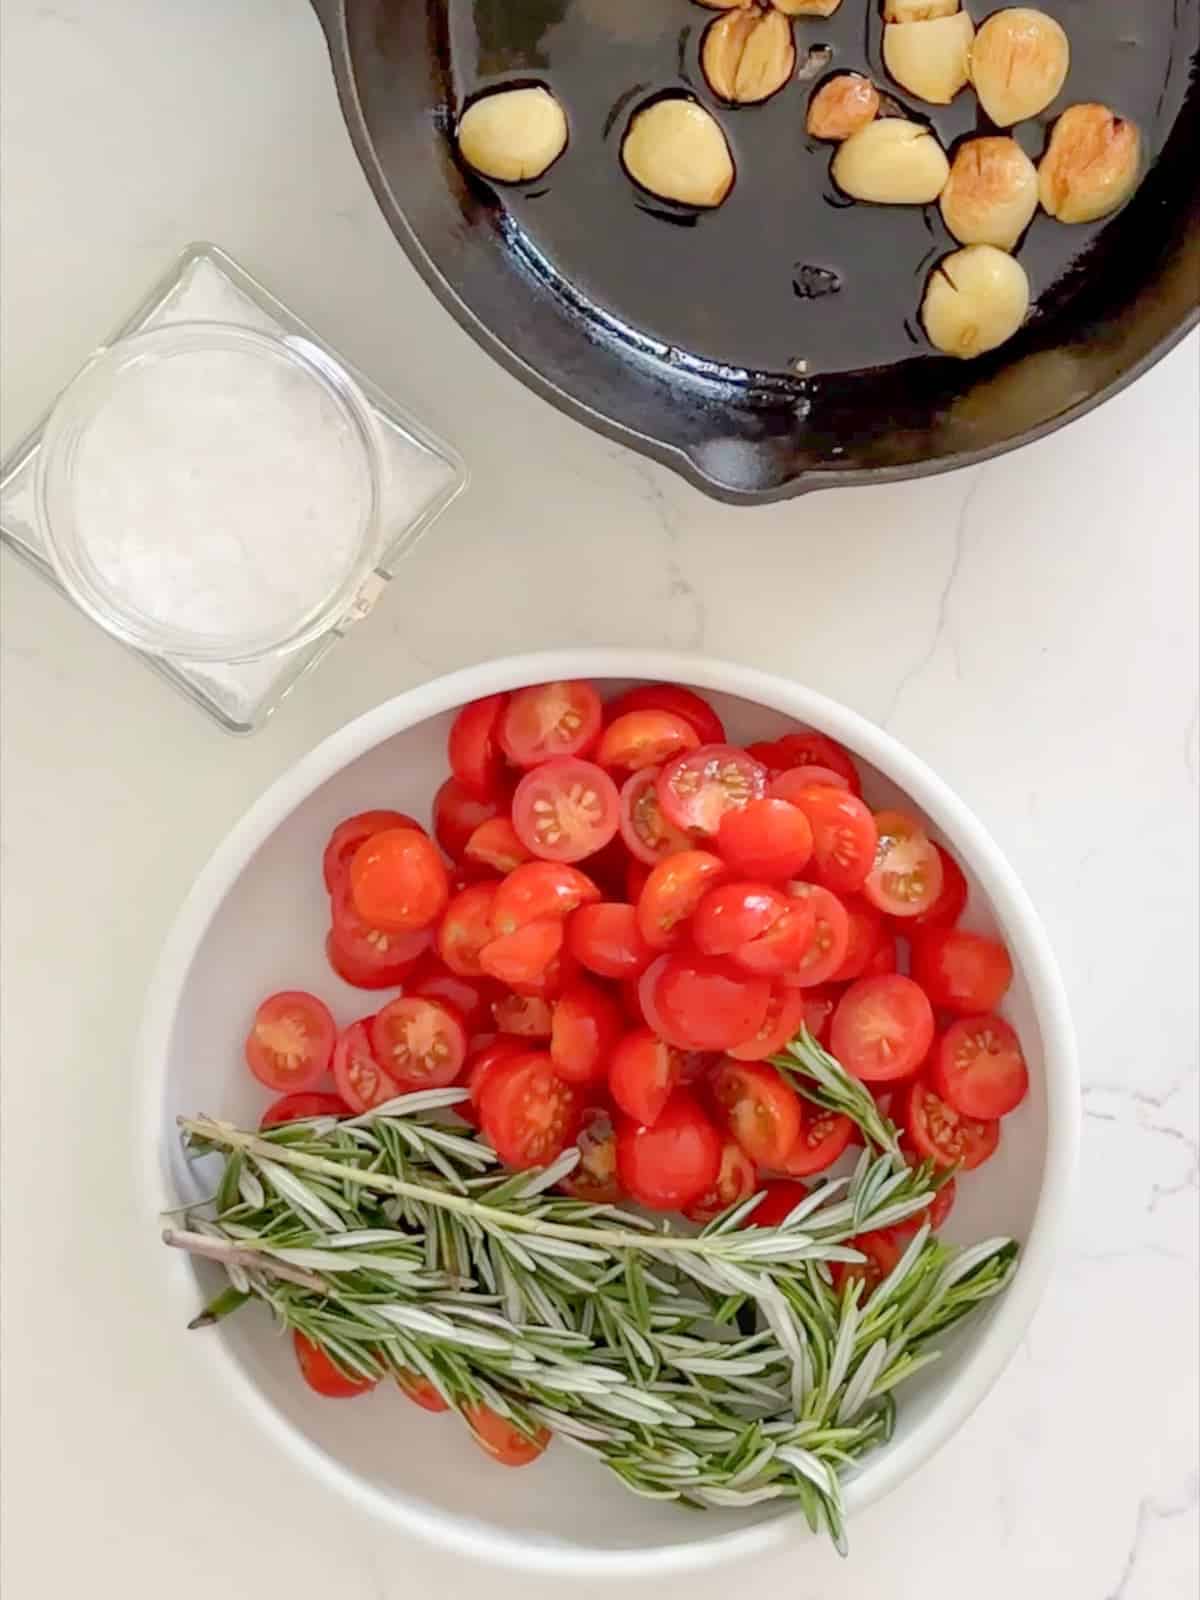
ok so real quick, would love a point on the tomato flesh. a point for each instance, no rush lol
(844, 836)
(525, 956)
(501, 1438)
(672, 892)
(866, 937)
(697, 789)
(320, 1374)
(644, 739)
(291, 1041)
(539, 890)
(527, 1016)
(941, 1134)
(761, 1111)
(550, 720)
(585, 1027)
(701, 1002)
(646, 832)
(566, 810)
(475, 755)
(369, 957)
(466, 928)
(767, 839)
(824, 1136)
(495, 845)
(882, 1028)
(735, 1183)
(906, 878)
(528, 1112)
(398, 881)
(299, 1107)
(421, 1391)
(606, 939)
(812, 749)
(669, 1166)
(642, 1071)
(783, 1021)
(595, 1178)
(950, 903)
(421, 1044)
(978, 1068)
(456, 815)
(680, 702)
(348, 835)
(361, 1080)
(961, 972)
(881, 1249)
(830, 936)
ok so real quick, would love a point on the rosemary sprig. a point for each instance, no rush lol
(821, 1078)
(394, 1243)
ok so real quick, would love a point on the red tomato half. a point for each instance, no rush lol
(528, 1112)
(586, 1026)
(595, 1178)
(735, 1183)
(784, 1018)
(523, 957)
(867, 936)
(366, 956)
(882, 1250)
(290, 1042)
(566, 810)
(844, 838)
(319, 1372)
(673, 890)
(361, 1081)
(420, 1043)
(550, 720)
(942, 1135)
(456, 815)
(830, 937)
(398, 881)
(701, 1002)
(766, 839)
(811, 749)
(906, 878)
(779, 1199)
(761, 930)
(482, 1061)
(642, 1072)
(761, 1111)
(501, 1438)
(299, 1107)
(669, 1166)
(882, 1028)
(348, 835)
(680, 702)
(606, 939)
(819, 1005)
(469, 998)
(421, 1391)
(962, 972)
(793, 779)
(644, 739)
(644, 829)
(978, 1068)
(950, 904)
(466, 928)
(697, 789)
(475, 756)
(824, 1136)
(540, 889)
(495, 845)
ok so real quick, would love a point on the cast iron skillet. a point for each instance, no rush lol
(772, 346)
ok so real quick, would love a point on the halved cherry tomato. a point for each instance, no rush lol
(299, 1107)
(361, 1081)
(882, 1028)
(768, 755)
(469, 997)
(523, 957)
(844, 839)
(290, 1040)
(680, 702)
(586, 1026)
(767, 839)
(906, 878)
(528, 1112)
(812, 749)
(481, 1062)
(978, 1068)
(595, 1178)
(348, 835)
(456, 815)
(962, 972)
(866, 937)
(793, 779)
(398, 881)
(701, 1002)
(528, 1016)
(673, 890)
(631, 1003)
(882, 1250)
(420, 1043)
(501, 1438)
(540, 889)
(939, 1209)
(824, 1136)
(735, 1183)
(697, 789)
(644, 829)
(819, 1005)
(551, 982)
(760, 929)
(644, 739)
(943, 1135)
(779, 1199)
(319, 1372)
(950, 904)
(831, 935)
(421, 1391)
(565, 810)
(642, 1071)
(466, 928)
(636, 875)
(366, 956)
(884, 958)
(475, 756)
(606, 939)
(668, 1167)
(495, 844)
(761, 1111)
(549, 720)
(785, 1015)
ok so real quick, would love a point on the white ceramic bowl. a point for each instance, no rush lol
(253, 923)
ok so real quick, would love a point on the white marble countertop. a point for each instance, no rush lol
(1028, 627)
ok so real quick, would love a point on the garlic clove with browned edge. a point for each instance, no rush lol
(975, 299)
(1019, 63)
(1091, 165)
(748, 56)
(675, 149)
(513, 135)
(892, 162)
(917, 10)
(841, 106)
(991, 194)
(806, 8)
(930, 59)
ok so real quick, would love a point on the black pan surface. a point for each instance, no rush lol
(773, 343)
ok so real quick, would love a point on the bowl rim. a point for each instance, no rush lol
(997, 1340)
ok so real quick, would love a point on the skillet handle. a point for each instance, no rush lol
(330, 14)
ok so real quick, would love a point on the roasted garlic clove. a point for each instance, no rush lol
(892, 162)
(676, 150)
(728, 5)
(975, 299)
(748, 56)
(991, 193)
(930, 59)
(806, 8)
(1019, 63)
(1091, 165)
(842, 106)
(917, 10)
(513, 135)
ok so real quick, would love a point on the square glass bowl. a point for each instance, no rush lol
(420, 476)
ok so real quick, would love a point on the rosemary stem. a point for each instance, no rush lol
(241, 1255)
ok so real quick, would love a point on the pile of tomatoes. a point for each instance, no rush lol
(619, 917)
